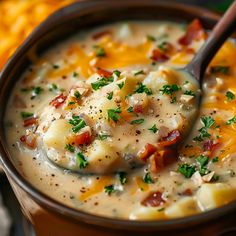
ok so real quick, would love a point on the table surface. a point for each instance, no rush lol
(9, 199)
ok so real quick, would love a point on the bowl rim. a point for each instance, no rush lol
(79, 215)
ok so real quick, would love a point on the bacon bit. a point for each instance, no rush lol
(104, 73)
(29, 140)
(84, 138)
(187, 192)
(171, 139)
(138, 109)
(148, 151)
(58, 101)
(162, 158)
(194, 32)
(18, 102)
(159, 56)
(101, 34)
(30, 121)
(154, 199)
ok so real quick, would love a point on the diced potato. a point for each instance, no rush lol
(156, 79)
(184, 207)
(186, 99)
(102, 158)
(147, 213)
(129, 86)
(214, 195)
(55, 137)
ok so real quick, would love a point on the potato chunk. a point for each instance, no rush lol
(183, 207)
(55, 137)
(147, 213)
(214, 195)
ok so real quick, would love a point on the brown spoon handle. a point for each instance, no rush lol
(224, 28)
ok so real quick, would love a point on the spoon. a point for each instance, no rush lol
(220, 33)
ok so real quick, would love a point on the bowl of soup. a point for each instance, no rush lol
(101, 136)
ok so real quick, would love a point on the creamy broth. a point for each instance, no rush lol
(98, 121)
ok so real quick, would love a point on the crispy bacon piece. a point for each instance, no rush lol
(30, 121)
(58, 101)
(187, 192)
(104, 73)
(159, 56)
(148, 151)
(29, 140)
(171, 139)
(212, 147)
(84, 138)
(154, 199)
(100, 34)
(194, 31)
(162, 158)
(138, 109)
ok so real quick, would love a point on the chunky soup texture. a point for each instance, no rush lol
(101, 123)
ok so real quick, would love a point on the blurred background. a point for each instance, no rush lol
(17, 19)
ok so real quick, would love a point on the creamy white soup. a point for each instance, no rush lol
(107, 123)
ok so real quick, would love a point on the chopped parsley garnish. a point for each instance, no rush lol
(53, 87)
(140, 72)
(100, 52)
(138, 121)
(189, 92)
(77, 123)
(75, 74)
(109, 189)
(203, 132)
(25, 90)
(71, 103)
(77, 95)
(117, 73)
(186, 82)
(121, 85)
(231, 121)
(81, 160)
(110, 95)
(215, 159)
(215, 178)
(113, 114)
(151, 38)
(56, 66)
(130, 109)
(36, 91)
(123, 178)
(25, 114)
(148, 179)
(70, 148)
(220, 69)
(103, 136)
(143, 89)
(203, 161)
(187, 170)
(173, 100)
(170, 88)
(163, 46)
(101, 83)
(230, 96)
(154, 128)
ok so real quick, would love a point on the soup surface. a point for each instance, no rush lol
(100, 121)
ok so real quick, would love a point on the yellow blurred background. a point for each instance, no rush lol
(19, 18)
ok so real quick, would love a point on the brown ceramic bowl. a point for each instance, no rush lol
(51, 218)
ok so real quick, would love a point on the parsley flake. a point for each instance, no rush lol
(143, 89)
(70, 148)
(110, 95)
(117, 73)
(136, 122)
(121, 85)
(230, 96)
(101, 83)
(130, 109)
(187, 170)
(220, 69)
(100, 52)
(77, 123)
(140, 72)
(148, 179)
(123, 178)
(231, 121)
(113, 114)
(25, 114)
(170, 88)
(189, 92)
(109, 189)
(154, 128)
(81, 160)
